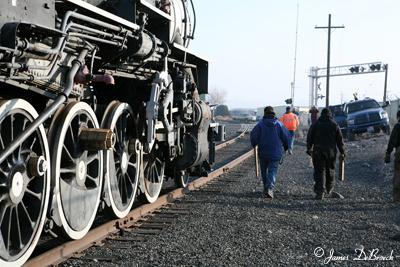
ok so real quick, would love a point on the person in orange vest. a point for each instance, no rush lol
(291, 122)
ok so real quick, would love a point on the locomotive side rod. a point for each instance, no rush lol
(76, 65)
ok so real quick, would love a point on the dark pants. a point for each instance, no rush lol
(396, 176)
(324, 172)
(291, 139)
(269, 169)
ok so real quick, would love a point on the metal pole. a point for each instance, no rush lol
(311, 85)
(293, 85)
(328, 61)
(329, 27)
(385, 86)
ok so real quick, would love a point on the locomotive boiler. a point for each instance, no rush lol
(100, 102)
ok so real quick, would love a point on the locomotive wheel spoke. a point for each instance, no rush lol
(92, 179)
(125, 185)
(9, 228)
(65, 149)
(1, 141)
(27, 213)
(133, 165)
(3, 209)
(12, 126)
(18, 228)
(38, 196)
(129, 178)
(33, 143)
(20, 149)
(2, 245)
(71, 134)
(92, 158)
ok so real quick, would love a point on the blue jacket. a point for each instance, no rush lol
(271, 137)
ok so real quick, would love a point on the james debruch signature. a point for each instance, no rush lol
(361, 254)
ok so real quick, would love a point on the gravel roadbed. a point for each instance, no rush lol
(229, 223)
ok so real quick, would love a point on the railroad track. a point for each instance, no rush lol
(112, 229)
(233, 140)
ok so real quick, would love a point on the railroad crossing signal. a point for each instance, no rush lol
(363, 68)
(288, 101)
(374, 67)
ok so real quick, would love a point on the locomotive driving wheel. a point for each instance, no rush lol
(122, 162)
(77, 172)
(181, 178)
(24, 184)
(153, 178)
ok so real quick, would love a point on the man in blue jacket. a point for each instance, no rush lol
(271, 137)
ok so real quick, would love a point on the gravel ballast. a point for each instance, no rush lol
(229, 223)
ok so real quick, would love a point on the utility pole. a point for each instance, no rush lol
(385, 86)
(293, 83)
(330, 27)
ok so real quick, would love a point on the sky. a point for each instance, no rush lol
(251, 48)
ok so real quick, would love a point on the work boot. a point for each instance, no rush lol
(329, 191)
(319, 196)
(270, 193)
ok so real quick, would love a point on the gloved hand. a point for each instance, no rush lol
(309, 152)
(387, 158)
(342, 156)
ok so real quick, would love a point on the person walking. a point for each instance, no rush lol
(394, 143)
(323, 139)
(291, 122)
(314, 114)
(271, 137)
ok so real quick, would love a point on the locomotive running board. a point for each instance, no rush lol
(95, 236)
(104, 14)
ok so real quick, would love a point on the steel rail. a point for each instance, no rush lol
(67, 250)
(233, 140)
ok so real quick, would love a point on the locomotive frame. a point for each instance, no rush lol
(100, 102)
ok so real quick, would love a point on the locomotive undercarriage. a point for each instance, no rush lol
(94, 109)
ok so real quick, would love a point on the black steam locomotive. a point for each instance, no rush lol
(100, 102)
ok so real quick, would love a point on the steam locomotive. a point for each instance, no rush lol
(100, 102)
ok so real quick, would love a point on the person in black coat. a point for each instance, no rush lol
(394, 143)
(323, 139)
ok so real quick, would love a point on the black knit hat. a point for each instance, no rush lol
(269, 111)
(326, 112)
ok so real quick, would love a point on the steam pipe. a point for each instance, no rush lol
(76, 65)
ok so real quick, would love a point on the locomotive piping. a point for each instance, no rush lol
(76, 65)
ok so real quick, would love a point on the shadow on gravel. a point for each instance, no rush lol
(302, 203)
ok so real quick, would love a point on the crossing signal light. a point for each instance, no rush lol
(375, 67)
(354, 69)
(288, 101)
